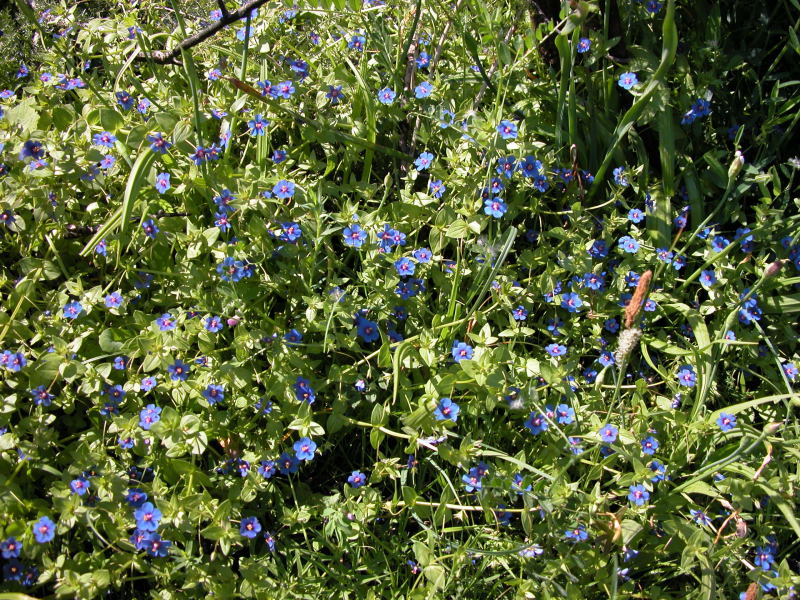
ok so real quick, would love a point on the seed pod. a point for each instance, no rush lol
(628, 340)
(635, 305)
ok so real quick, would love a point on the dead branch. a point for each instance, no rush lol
(165, 57)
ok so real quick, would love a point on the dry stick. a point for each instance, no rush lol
(436, 56)
(440, 45)
(493, 68)
(170, 56)
(406, 137)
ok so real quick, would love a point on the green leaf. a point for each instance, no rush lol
(24, 114)
(457, 229)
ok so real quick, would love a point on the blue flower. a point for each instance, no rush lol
(107, 162)
(789, 368)
(699, 517)
(530, 167)
(422, 255)
(158, 144)
(571, 301)
(494, 207)
(461, 351)
(649, 445)
(536, 423)
(764, 557)
(269, 539)
(507, 130)
(10, 548)
(423, 90)
(214, 324)
(335, 94)
(686, 376)
(148, 383)
(726, 421)
(147, 517)
(638, 494)
(125, 100)
(506, 165)
(148, 416)
(635, 215)
(576, 535)
(659, 471)
(354, 235)
(708, 278)
(284, 90)
(424, 161)
(404, 266)
(79, 486)
(165, 322)
(627, 80)
(606, 358)
(267, 468)
(367, 330)
(594, 281)
(446, 409)
(283, 189)
(565, 414)
(155, 546)
(653, 6)
(72, 310)
(258, 125)
(304, 449)
(472, 480)
(628, 244)
(620, 177)
(214, 393)
(357, 43)
(608, 433)
(179, 371)
(584, 44)
(106, 139)
(162, 182)
(386, 96)
(31, 149)
(288, 463)
(423, 60)
(598, 249)
(13, 361)
(556, 350)
(150, 228)
(303, 390)
(249, 527)
(44, 530)
(436, 188)
(519, 313)
(357, 479)
(293, 337)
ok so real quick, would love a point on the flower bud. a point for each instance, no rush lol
(736, 165)
(774, 268)
(233, 321)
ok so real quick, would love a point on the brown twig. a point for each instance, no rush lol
(164, 57)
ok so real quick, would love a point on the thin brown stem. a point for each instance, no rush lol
(164, 57)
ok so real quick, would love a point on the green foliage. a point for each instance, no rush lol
(452, 404)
